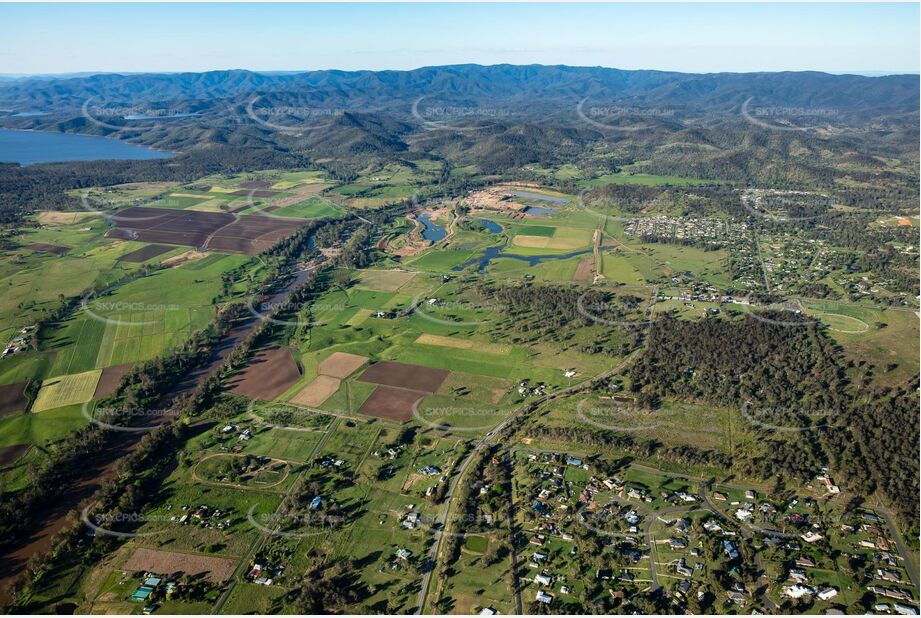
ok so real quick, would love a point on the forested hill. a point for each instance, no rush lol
(483, 84)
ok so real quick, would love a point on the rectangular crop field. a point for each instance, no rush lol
(66, 390)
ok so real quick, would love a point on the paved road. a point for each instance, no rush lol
(651, 519)
(746, 534)
(910, 566)
(528, 406)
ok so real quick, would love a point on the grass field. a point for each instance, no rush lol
(66, 390)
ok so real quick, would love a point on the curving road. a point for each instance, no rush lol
(485, 441)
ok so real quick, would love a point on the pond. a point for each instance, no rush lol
(492, 253)
(539, 211)
(491, 226)
(432, 231)
(540, 197)
(30, 147)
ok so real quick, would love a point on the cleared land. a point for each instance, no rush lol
(391, 403)
(584, 270)
(145, 253)
(271, 372)
(252, 234)
(110, 379)
(341, 364)
(317, 391)
(54, 218)
(402, 375)
(11, 454)
(12, 398)
(43, 247)
(178, 227)
(169, 562)
(66, 390)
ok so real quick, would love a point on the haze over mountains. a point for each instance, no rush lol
(721, 91)
(741, 127)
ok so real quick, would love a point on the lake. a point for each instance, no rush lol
(30, 147)
(491, 253)
(539, 211)
(492, 226)
(432, 232)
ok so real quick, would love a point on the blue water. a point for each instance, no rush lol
(540, 197)
(29, 147)
(539, 211)
(492, 253)
(491, 226)
(432, 231)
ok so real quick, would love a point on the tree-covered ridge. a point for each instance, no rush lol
(794, 390)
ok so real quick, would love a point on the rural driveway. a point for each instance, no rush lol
(482, 444)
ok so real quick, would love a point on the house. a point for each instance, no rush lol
(684, 587)
(797, 591)
(797, 576)
(411, 521)
(403, 554)
(905, 610)
(887, 576)
(543, 579)
(812, 537)
(570, 373)
(751, 494)
(683, 569)
(719, 496)
(730, 549)
(539, 557)
(805, 562)
(892, 593)
(543, 597)
(565, 589)
(737, 597)
(487, 611)
(573, 461)
(315, 503)
(827, 593)
(712, 526)
(676, 543)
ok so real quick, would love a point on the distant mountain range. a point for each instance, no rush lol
(479, 85)
(747, 127)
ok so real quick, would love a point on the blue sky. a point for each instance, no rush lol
(58, 38)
